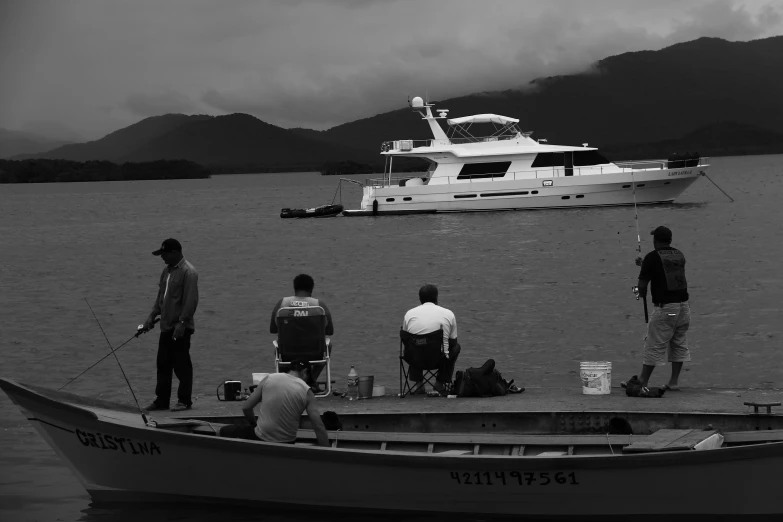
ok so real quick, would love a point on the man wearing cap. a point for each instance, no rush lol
(664, 269)
(283, 397)
(176, 303)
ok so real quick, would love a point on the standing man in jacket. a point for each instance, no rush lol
(176, 303)
(664, 269)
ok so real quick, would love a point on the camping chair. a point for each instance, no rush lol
(423, 351)
(301, 333)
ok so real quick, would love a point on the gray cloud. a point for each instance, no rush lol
(102, 64)
(163, 103)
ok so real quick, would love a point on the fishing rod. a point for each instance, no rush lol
(635, 289)
(143, 416)
(140, 330)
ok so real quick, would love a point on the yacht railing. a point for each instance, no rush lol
(408, 145)
(554, 172)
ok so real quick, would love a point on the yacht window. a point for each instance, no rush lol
(580, 195)
(565, 197)
(431, 169)
(584, 158)
(407, 199)
(460, 196)
(495, 169)
(548, 159)
(534, 192)
(390, 199)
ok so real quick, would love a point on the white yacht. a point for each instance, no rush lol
(509, 170)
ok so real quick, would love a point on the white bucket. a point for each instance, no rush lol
(258, 377)
(596, 377)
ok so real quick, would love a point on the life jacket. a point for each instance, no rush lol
(674, 267)
(298, 302)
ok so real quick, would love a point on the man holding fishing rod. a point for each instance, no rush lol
(176, 303)
(664, 269)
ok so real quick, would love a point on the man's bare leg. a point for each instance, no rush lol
(674, 381)
(647, 370)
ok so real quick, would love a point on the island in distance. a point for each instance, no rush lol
(60, 171)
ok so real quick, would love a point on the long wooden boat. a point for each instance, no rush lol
(541, 464)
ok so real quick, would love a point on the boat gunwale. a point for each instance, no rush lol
(406, 459)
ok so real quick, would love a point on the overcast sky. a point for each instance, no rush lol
(98, 65)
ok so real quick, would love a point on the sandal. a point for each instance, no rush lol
(513, 388)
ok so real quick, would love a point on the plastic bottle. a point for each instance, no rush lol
(353, 384)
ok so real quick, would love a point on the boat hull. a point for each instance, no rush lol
(117, 457)
(651, 186)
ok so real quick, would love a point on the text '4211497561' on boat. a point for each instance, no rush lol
(509, 170)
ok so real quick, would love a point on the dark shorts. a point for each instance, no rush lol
(242, 432)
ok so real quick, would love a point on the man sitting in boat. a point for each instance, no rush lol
(283, 397)
(303, 297)
(428, 318)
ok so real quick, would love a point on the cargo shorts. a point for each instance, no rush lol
(666, 334)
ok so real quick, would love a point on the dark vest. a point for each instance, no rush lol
(674, 267)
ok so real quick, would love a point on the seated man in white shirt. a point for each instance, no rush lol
(427, 318)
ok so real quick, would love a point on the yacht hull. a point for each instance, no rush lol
(640, 187)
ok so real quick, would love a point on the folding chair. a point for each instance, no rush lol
(422, 351)
(301, 333)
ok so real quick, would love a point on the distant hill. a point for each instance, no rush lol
(13, 143)
(240, 139)
(232, 143)
(634, 97)
(719, 139)
(122, 143)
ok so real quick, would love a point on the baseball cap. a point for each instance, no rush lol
(662, 234)
(169, 245)
(300, 364)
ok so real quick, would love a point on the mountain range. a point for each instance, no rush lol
(13, 143)
(709, 95)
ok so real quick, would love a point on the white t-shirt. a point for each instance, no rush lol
(429, 317)
(283, 400)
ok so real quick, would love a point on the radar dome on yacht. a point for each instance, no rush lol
(417, 102)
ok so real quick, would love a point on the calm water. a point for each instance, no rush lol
(538, 291)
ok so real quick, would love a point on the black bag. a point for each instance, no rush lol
(633, 388)
(484, 381)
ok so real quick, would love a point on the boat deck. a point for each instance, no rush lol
(688, 400)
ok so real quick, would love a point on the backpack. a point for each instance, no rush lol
(484, 381)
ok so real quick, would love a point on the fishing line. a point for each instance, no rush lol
(143, 416)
